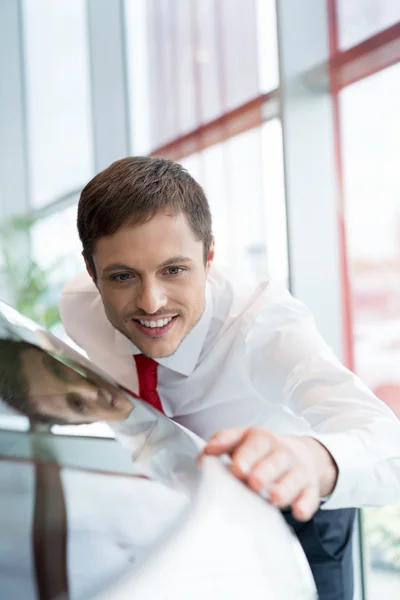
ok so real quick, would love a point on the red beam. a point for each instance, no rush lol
(366, 58)
(332, 27)
(236, 121)
(347, 313)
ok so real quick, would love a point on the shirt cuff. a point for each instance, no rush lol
(325, 499)
(351, 458)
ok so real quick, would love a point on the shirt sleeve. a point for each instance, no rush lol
(292, 364)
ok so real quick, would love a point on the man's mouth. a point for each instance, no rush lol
(155, 327)
(109, 398)
(114, 400)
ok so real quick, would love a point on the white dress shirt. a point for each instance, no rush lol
(257, 360)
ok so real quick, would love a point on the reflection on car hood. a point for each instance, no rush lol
(145, 432)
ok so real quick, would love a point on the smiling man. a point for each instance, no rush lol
(249, 371)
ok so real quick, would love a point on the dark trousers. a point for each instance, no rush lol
(327, 543)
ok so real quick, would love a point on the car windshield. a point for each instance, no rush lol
(78, 512)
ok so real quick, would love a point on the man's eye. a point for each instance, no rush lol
(79, 406)
(76, 403)
(121, 277)
(174, 270)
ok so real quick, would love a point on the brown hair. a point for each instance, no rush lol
(14, 386)
(131, 191)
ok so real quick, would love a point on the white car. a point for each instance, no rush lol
(85, 517)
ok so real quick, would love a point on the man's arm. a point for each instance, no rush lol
(358, 430)
(352, 452)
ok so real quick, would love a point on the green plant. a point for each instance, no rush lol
(29, 285)
(382, 530)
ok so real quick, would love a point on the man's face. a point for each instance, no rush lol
(56, 390)
(152, 278)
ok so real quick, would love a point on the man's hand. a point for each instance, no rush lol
(289, 470)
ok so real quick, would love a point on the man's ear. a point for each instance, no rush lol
(210, 256)
(89, 268)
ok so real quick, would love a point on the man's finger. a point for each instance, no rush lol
(268, 470)
(255, 446)
(288, 488)
(306, 505)
(225, 441)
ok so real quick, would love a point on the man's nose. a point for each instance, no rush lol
(88, 392)
(151, 297)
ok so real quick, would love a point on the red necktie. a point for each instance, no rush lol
(147, 375)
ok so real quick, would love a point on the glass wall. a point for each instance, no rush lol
(358, 20)
(57, 82)
(369, 148)
(54, 68)
(247, 168)
(370, 137)
(186, 67)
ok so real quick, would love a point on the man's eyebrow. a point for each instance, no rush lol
(54, 366)
(174, 260)
(165, 263)
(117, 267)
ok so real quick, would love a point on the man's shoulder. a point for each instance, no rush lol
(255, 300)
(79, 297)
(81, 309)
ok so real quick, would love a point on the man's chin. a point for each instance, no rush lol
(157, 348)
(158, 351)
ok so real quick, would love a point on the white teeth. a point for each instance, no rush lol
(158, 323)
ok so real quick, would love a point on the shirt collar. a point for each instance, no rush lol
(184, 360)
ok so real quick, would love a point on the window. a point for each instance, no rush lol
(138, 73)
(275, 202)
(208, 58)
(370, 122)
(267, 39)
(56, 246)
(58, 97)
(186, 66)
(243, 177)
(236, 20)
(246, 199)
(56, 251)
(360, 19)
(214, 181)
